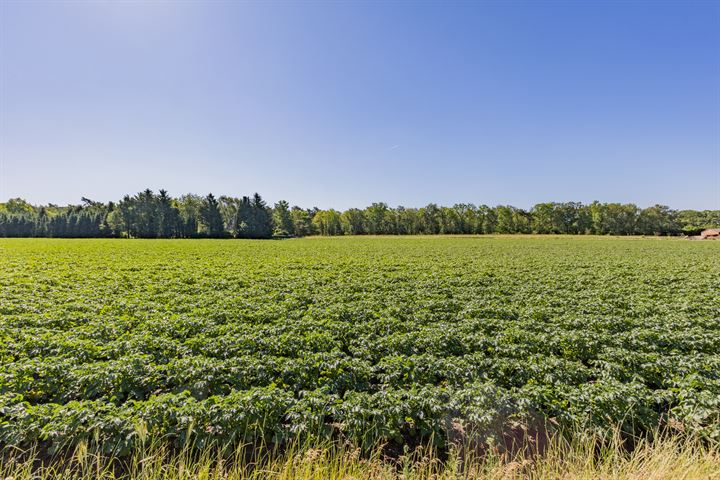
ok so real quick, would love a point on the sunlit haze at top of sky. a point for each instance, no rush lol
(343, 104)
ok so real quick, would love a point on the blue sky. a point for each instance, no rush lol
(346, 103)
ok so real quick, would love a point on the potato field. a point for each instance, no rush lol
(369, 339)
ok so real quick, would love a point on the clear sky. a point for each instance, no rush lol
(346, 103)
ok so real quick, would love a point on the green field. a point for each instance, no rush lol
(370, 339)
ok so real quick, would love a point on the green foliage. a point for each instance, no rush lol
(16, 206)
(369, 339)
(147, 215)
(211, 218)
(282, 219)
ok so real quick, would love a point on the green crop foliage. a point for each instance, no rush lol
(111, 342)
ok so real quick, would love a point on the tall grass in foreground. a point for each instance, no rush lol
(663, 457)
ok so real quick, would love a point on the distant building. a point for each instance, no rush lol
(710, 233)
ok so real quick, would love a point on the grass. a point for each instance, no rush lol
(656, 457)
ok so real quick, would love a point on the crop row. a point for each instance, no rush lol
(370, 339)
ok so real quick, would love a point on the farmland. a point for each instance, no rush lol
(370, 339)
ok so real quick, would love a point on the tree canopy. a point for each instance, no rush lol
(158, 215)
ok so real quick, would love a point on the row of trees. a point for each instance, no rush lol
(559, 218)
(151, 215)
(158, 215)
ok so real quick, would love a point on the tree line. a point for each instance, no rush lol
(158, 215)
